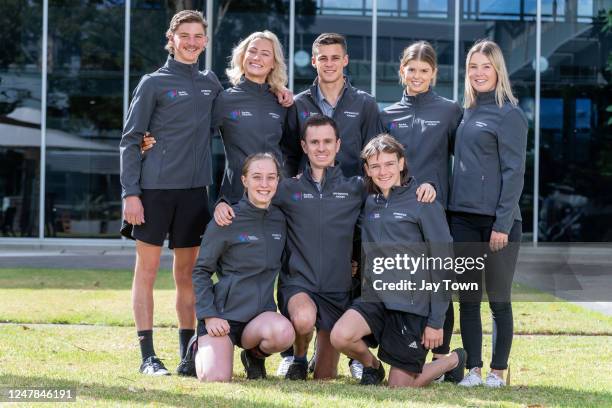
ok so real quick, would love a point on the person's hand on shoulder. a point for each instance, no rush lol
(224, 214)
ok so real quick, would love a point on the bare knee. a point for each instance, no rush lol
(213, 377)
(341, 337)
(303, 322)
(283, 335)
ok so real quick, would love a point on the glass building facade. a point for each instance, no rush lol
(68, 67)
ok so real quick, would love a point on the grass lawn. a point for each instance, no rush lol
(564, 357)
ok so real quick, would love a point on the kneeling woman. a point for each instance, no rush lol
(239, 310)
(403, 327)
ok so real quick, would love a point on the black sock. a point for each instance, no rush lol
(303, 359)
(184, 336)
(287, 353)
(145, 337)
(258, 353)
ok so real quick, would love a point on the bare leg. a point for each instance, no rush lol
(303, 313)
(431, 371)
(347, 337)
(271, 331)
(182, 268)
(145, 272)
(215, 358)
(326, 366)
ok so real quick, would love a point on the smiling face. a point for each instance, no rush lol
(321, 146)
(261, 182)
(258, 60)
(385, 170)
(188, 41)
(418, 76)
(481, 73)
(329, 61)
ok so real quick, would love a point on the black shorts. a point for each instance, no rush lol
(181, 214)
(330, 306)
(397, 335)
(235, 334)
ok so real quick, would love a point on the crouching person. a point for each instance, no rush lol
(239, 310)
(404, 325)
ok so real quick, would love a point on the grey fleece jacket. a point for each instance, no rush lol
(174, 104)
(425, 124)
(489, 168)
(320, 229)
(246, 256)
(356, 116)
(251, 121)
(401, 223)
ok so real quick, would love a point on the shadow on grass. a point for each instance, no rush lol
(343, 389)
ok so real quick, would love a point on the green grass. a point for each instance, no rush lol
(101, 363)
(103, 298)
(564, 357)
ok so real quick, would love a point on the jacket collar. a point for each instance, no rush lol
(330, 173)
(184, 69)
(244, 205)
(418, 99)
(314, 89)
(485, 98)
(254, 87)
(410, 184)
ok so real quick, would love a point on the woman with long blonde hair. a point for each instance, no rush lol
(486, 186)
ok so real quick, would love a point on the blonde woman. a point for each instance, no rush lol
(486, 186)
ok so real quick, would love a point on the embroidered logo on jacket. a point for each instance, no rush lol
(277, 236)
(480, 124)
(244, 237)
(274, 115)
(340, 195)
(350, 114)
(237, 114)
(206, 92)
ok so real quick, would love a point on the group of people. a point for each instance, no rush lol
(308, 180)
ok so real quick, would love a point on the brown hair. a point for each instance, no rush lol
(328, 39)
(317, 121)
(419, 51)
(185, 16)
(260, 156)
(383, 143)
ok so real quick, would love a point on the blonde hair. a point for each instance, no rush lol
(503, 90)
(185, 16)
(277, 78)
(419, 51)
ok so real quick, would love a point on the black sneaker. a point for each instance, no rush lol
(297, 371)
(456, 374)
(373, 376)
(254, 367)
(186, 367)
(153, 366)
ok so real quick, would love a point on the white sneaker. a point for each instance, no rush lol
(494, 381)
(281, 371)
(356, 369)
(473, 379)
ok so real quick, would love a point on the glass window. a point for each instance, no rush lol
(430, 20)
(352, 19)
(576, 142)
(516, 38)
(84, 114)
(20, 98)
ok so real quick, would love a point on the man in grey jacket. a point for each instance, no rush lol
(175, 104)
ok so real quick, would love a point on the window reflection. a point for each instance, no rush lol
(20, 84)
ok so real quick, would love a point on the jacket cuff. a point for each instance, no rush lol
(435, 322)
(132, 191)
